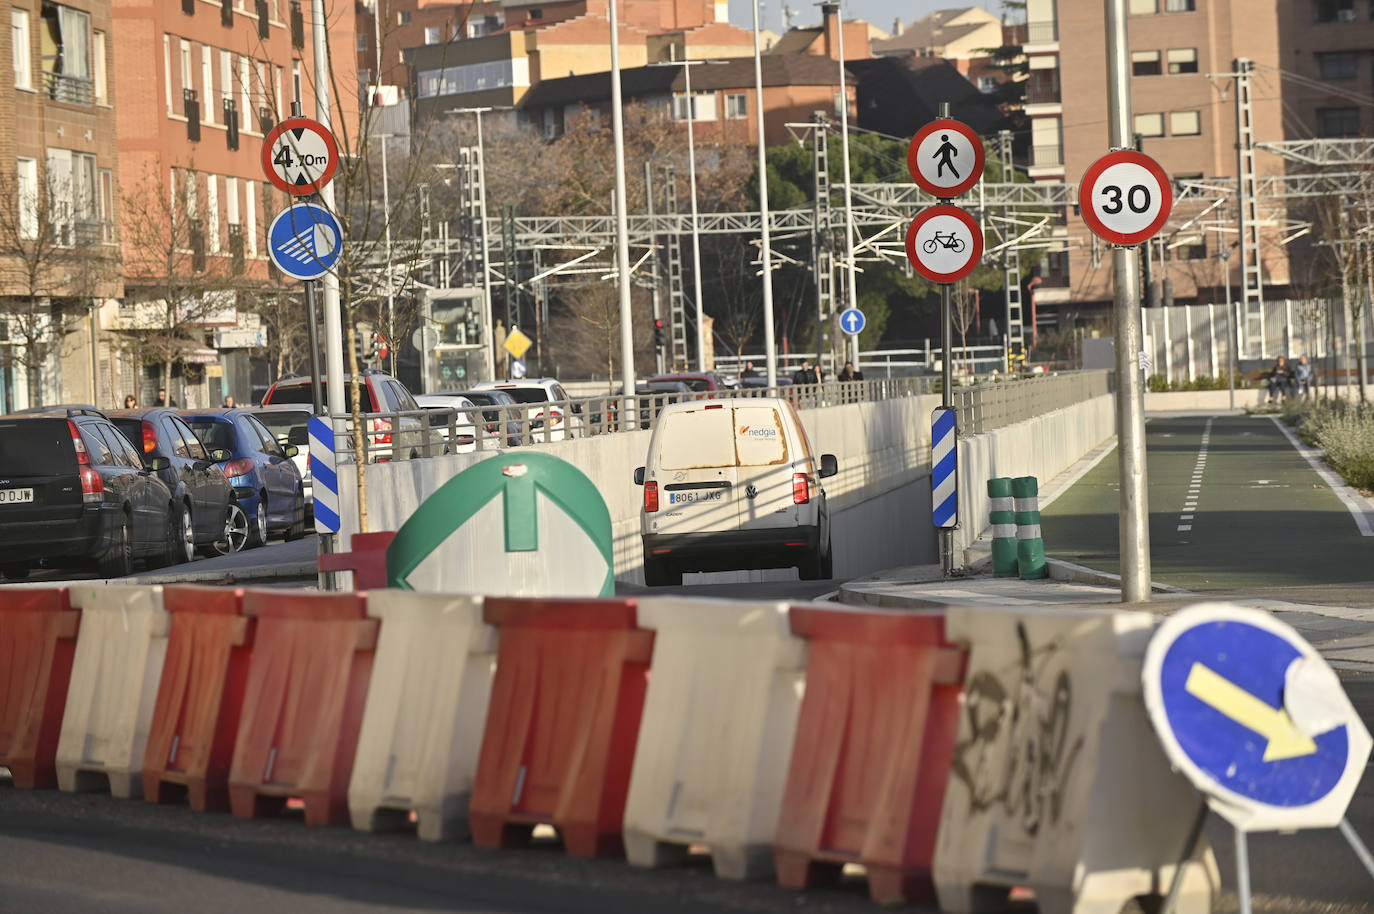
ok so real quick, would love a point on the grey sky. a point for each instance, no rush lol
(879, 12)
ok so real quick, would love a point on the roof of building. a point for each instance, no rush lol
(910, 89)
(937, 30)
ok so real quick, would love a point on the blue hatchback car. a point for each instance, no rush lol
(267, 486)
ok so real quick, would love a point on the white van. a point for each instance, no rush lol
(733, 484)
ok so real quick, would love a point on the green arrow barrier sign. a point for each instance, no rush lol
(519, 481)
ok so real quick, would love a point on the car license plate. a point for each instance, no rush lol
(680, 498)
(15, 496)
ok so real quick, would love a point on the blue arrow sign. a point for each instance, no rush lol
(305, 241)
(1249, 711)
(852, 321)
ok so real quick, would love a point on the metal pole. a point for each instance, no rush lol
(696, 235)
(1242, 869)
(1189, 847)
(333, 319)
(946, 381)
(486, 246)
(313, 329)
(629, 418)
(850, 269)
(1225, 256)
(1130, 403)
(1357, 845)
(770, 349)
(390, 294)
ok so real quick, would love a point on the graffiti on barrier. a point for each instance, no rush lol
(1018, 754)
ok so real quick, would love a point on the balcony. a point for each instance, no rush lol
(1043, 88)
(74, 90)
(266, 121)
(190, 106)
(261, 7)
(88, 233)
(1043, 156)
(297, 26)
(1042, 32)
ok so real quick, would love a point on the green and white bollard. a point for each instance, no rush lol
(1030, 547)
(1002, 517)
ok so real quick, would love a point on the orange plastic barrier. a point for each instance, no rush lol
(873, 749)
(37, 641)
(367, 561)
(303, 703)
(561, 728)
(196, 718)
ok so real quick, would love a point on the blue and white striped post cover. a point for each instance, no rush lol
(324, 475)
(944, 469)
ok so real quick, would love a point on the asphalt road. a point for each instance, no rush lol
(1247, 513)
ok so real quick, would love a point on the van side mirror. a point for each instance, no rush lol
(639, 476)
(829, 465)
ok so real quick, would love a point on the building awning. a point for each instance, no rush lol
(199, 357)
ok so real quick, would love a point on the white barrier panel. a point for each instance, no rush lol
(116, 670)
(1058, 781)
(716, 734)
(425, 713)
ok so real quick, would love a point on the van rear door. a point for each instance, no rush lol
(764, 473)
(696, 472)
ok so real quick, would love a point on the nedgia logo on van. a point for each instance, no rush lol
(748, 431)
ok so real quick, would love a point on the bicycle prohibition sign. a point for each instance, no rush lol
(944, 243)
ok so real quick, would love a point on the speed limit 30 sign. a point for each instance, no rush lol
(1125, 197)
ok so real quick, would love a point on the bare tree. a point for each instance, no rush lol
(589, 327)
(964, 313)
(53, 262)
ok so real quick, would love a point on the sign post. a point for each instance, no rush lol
(944, 244)
(1250, 713)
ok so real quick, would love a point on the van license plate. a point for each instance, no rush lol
(681, 498)
(15, 496)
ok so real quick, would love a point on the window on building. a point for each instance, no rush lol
(1181, 179)
(296, 84)
(186, 81)
(226, 76)
(1149, 124)
(1185, 123)
(363, 41)
(1180, 6)
(66, 44)
(1143, 7)
(231, 200)
(247, 116)
(403, 17)
(1338, 122)
(27, 186)
(72, 207)
(431, 34)
(102, 82)
(212, 213)
(1145, 63)
(250, 216)
(106, 206)
(736, 105)
(1182, 60)
(1334, 10)
(23, 62)
(1338, 65)
(684, 108)
(207, 83)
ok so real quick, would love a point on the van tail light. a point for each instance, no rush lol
(383, 427)
(242, 466)
(801, 489)
(149, 437)
(92, 486)
(714, 405)
(650, 496)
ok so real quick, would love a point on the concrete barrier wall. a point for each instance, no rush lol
(879, 501)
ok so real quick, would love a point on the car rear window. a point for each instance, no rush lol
(213, 433)
(300, 393)
(527, 394)
(281, 423)
(36, 447)
(744, 436)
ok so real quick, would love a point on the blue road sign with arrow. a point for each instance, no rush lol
(852, 321)
(305, 241)
(1254, 717)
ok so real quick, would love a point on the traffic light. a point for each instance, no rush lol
(660, 334)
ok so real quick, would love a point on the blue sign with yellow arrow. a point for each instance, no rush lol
(1257, 720)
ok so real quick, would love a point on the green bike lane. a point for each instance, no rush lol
(1233, 507)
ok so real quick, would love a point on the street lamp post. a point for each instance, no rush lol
(482, 215)
(770, 352)
(390, 293)
(696, 239)
(851, 269)
(622, 231)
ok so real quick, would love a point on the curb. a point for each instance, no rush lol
(248, 575)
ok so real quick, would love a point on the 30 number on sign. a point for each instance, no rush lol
(1126, 198)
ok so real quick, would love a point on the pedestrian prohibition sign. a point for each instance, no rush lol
(1125, 197)
(305, 241)
(945, 158)
(299, 156)
(524, 524)
(852, 321)
(944, 243)
(1254, 717)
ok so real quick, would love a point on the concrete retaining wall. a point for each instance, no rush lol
(879, 502)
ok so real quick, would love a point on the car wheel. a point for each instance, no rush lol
(258, 533)
(235, 531)
(297, 528)
(658, 573)
(15, 571)
(118, 560)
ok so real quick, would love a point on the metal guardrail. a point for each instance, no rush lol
(416, 434)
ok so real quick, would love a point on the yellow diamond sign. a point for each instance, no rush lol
(517, 343)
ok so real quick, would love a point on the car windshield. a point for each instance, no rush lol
(36, 447)
(212, 433)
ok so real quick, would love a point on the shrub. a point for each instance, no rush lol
(1345, 431)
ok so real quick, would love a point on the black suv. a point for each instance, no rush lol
(73, 489)
(201, 493)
